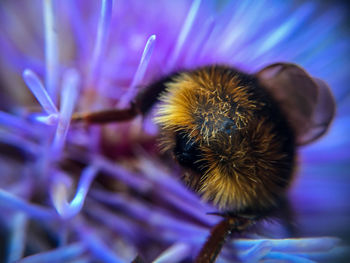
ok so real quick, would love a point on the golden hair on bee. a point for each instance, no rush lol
(234, 134)
(229, 134)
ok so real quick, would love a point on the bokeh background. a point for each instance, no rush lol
(89, 193)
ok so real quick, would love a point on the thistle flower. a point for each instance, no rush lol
(77, 193)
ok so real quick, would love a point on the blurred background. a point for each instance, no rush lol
(90, 193)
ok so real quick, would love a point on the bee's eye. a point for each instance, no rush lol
(228, 126)
(187, 152)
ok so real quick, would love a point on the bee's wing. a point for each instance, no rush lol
(307, 102)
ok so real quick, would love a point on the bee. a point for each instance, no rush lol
(235, 135)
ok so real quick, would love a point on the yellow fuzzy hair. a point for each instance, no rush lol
(241, 167)
(207, 95)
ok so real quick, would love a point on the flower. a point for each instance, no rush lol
(102, 193)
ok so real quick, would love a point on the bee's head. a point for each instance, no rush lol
(225, 130)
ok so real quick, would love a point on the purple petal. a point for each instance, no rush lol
(34, 84)
(68, 99)
(36, 211)
(293, 244)
(50, 119)
(256, 252)
(62, 254)
(284, 257)
(185, 30)
(60, 194)
(11, 121)
(51, 49)
(140, 72)
(17, 242)
(175, 253)
(286, 29)
(21, 143)
(101, 39)
(95, 245)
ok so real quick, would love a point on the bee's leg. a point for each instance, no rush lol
(107, 116)
(218, 236)
(142, 104)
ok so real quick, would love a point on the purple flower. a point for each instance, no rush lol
(79, 193)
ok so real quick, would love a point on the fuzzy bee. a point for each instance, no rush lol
(234, 134)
